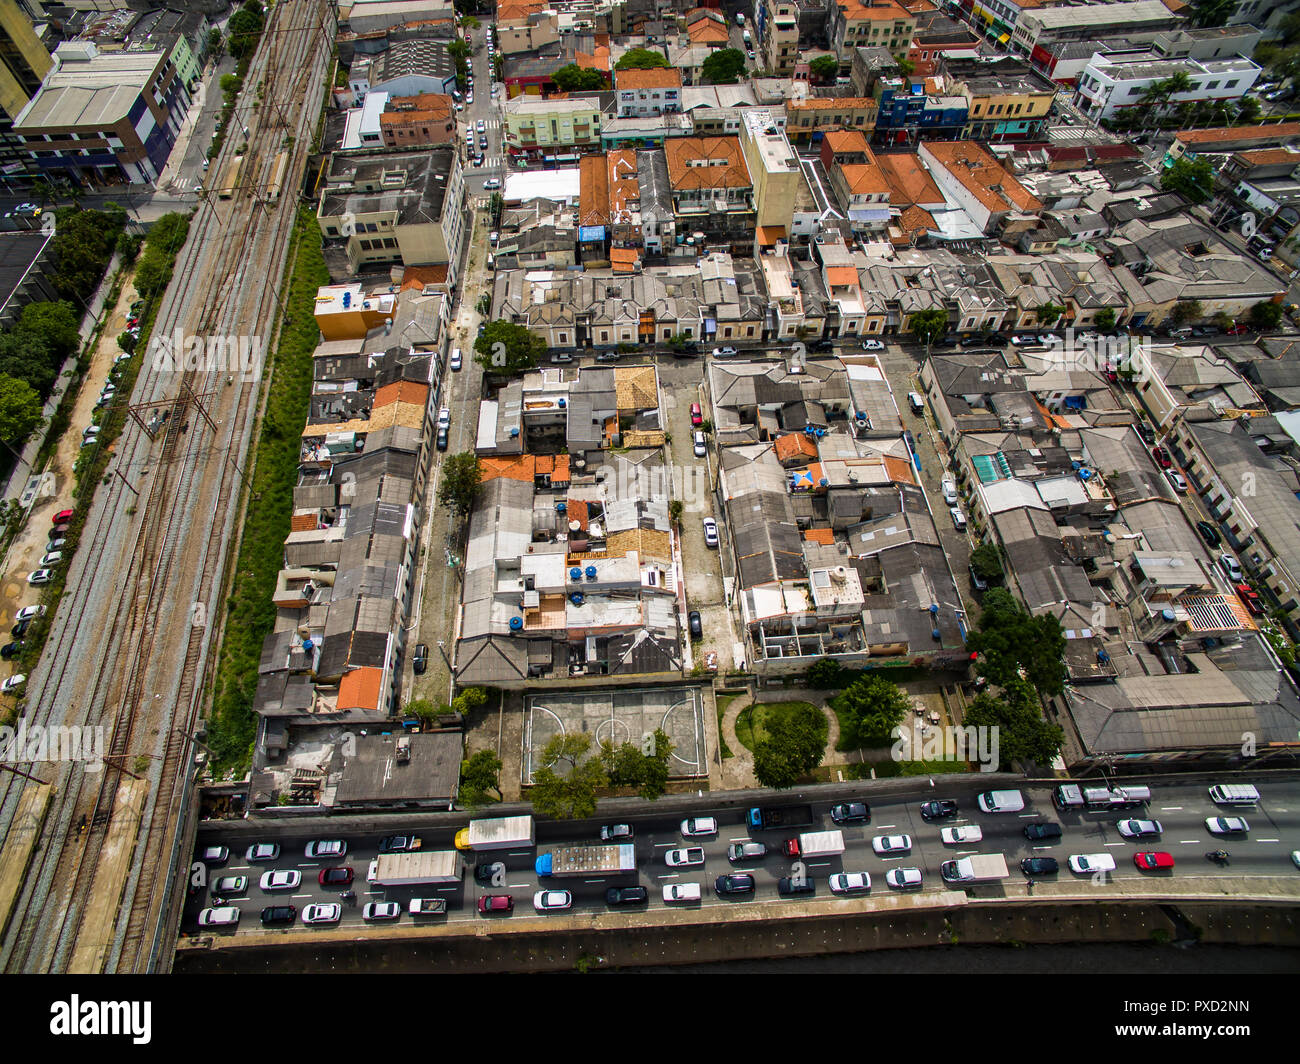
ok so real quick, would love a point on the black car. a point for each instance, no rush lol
(398, 844)
(11, 650)
(20, 629)
(279, 915)
(420, 660)
(1039, 866)
(996, 340)
(937, 810)
(823, 345)
(1147, 433)
(851, 813)
(441, 441)
(696, 627)
(789, 886)
(491, 874)
(734, 883)
(1046, 830)
(626, 896)
(911, 440)
(1209, 533)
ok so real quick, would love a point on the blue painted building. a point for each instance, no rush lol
(908, 115)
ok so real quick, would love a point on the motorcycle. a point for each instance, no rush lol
(349, 896)
(1218, 856)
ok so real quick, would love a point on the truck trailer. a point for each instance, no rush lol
(501, 833)
(404, 869)
(981, 868)
(783, 816)
(815, 844)
(609, 860)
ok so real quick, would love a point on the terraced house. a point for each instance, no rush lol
(881, 22)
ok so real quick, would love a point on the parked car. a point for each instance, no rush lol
(627, 896)
(851, 813)
(675, 892)
(495, 903)
(442, 439)
(20, 628)
(694, 624)
(330, 848)
(1145, 431)
(1230, 568)
(698, 827)
(281, 879)
(279, 915)
(328, 913)
(62, 516)
(444, 416)
(1162, 457)
(1176, 479)
(948, 487)
(684, 857)
(40, 576)
(376, 911)
(976, 581)
(939, 809)
(11, 650)
(1039, 866)
(1250, 599)
(56, 543)
(961, 834)
(697, 416)
(710, 532)
(734, 883)
(1023, 341)
(262, 851)
(1048, 339)
(888, 845)
(223, 916)
(849, 882)
(12, 684)
(958, 518)
(724, 352)
(700, 444)
(546, 900)
(873, 345)
(617, 833)
(420, 659)
(1209, 533)
(1153, 861)
(29, 613)
(51, 559)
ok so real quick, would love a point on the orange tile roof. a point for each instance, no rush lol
(707, 27)
(982, 175)
(909, 181)
(726, 167)
(593, 190)
(1269, 156)
(425, 105)
(864, 179)
(820, 535)
(876, 12)
(847, 140)
(516, 10)
(307, 522)
(412, 392)
(770, 234)
(828, 103)
(1272, 131)
(653, 78)
(842, 276)
(915, 219)
(624, 184)
(359, 688)
(419, 276)
(522, 467)
(624, 260)
(900, 470)
(794, 445)
(577, 510)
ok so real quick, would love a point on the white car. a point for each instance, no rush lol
(322, 914)
(493, 237)
(1226, 825)
(12, 684)
(724, 352)
(958, 518)
(1230, 568)
(949, 488)
(40, 576)
(224, 916)
(492, 182)
(682, 892)
(444, 417)
(1023, 341)
(1088, 863)
(684, 857)
(281, 879)
(262, 851)
(1138, 829)
(1049, 339)
(904, 878)
(1295, 858)
(699, 826)
(961, 833)
(51, 559)
(700, 444)
(28, 613)
(886, 845)
(873, 345)
(710, 532)
(330, 848)
(480, 125)
(1177, 480)
(850, 882)
(375, 911)
(552, 899)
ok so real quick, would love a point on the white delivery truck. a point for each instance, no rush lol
(981, 868)
(500, 833)
(405, 869)
(815, 844)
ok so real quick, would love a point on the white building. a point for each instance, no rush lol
(1109, 86)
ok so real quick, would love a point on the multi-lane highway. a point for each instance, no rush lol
(1262, 854)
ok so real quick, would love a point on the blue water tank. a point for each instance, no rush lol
(934, 608)
(514, 433)
(591, 572)
(563, 403)
(575, 573)
(1168, 614)
(1075, 465)
(516, 623)
(1103, 657)
(560, 507)
(307, 645)
(860, 416)
(934, 634)
(576, 598)
(824, 482)
(347, 300)
(821, 433)
(1085, 474)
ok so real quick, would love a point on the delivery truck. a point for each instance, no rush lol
(783, 816)
(500, 833)
(404, 869)
(612, 859)
(981, 868)
(815, 844)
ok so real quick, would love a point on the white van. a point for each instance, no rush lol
(1086, 864)
(1000, 801)
(1234, 794)
(916, 402)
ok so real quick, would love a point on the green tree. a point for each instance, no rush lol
(496, 204)
(1265, 315)
(460, 481)
(1009, 638)
(469, 700)
(641, 59)
(422, 708)
(723, 67)
(794, 745)
(484, 304)
(573, 78)
(1023, 734)
(679, 342)
(469, 22)
(245, 29)
(1205, 14)
(215, 47)
(20, 409)
(628, 765)
(825, 68)
(55, 324)
(1185, 311)
(508, 350)
(82, 244)
(479, 774)
(987, 562)
(928, 325)
(1048, 313)
(1193, 178)
(564, 788)
(1222, 321)
(871, 708)
(675, 510)
(826, 674)
(1104, 319)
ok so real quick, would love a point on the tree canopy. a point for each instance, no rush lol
(573, 78)
(1193, 178)
(479, 774)
(565, 785)
(794, 745)
(245, 29)
(1009, 638)
(460, 481)
(508, 350)
(1023, 734)
(824, 68)
(987, 562)
(20, 409)
(870, 709)
(928, 325)
(723, 67)
(641, 59)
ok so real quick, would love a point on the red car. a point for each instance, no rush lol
(62, 517)
(335, 877)
(1162, 457)
(495, 903)
(1251, 599)
(1153, 861)
(697, 417)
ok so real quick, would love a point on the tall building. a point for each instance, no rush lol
(24, 62)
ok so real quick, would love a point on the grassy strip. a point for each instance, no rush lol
(250, 614)
(749, 724)
(722, 739)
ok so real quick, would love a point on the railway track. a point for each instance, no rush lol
(147, 666)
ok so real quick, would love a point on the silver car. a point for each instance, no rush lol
(281, 879)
